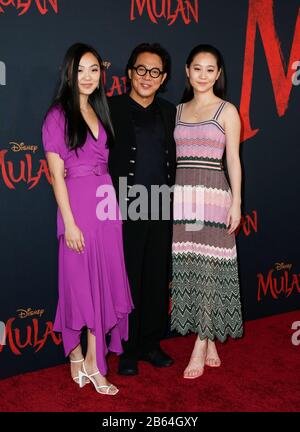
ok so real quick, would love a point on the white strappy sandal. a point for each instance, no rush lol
(103, 389)
(76, 379)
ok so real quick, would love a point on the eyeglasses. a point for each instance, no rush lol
(142, 71)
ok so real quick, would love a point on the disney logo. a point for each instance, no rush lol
(282, 266)
(25, 313)
(17, 147)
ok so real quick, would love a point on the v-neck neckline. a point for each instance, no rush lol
(91, 132)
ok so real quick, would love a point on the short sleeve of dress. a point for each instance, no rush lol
(53, 133)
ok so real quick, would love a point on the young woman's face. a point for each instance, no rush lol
(203, 72)
(89, 74)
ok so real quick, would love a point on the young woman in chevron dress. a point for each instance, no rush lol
(205, 288)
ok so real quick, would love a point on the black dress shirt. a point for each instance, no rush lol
(149, 131)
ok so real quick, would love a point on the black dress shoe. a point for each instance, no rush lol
(157, 358)
(127, 366)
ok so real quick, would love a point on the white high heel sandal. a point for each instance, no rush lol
(103, 389)
(76, 379)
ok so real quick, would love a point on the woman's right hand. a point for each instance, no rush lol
(74, 238)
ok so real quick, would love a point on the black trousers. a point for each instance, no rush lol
(147, 250)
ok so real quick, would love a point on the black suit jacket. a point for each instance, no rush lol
(122, 155)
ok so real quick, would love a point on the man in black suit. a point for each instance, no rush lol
(144, 153)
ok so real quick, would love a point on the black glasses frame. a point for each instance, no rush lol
(147, 70)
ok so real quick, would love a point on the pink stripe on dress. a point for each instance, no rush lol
(206, 250)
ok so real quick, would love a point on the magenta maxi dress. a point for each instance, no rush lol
(93, 286)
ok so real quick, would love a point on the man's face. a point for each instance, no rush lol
(144, 87)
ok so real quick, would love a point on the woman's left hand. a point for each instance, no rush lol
(233, 218)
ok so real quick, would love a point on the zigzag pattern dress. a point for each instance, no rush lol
(205, 287)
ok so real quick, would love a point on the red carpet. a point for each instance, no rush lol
(259, 372)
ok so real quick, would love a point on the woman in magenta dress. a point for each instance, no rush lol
(93, 285)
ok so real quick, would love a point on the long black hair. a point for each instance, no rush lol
(221, 83)
(67, 96)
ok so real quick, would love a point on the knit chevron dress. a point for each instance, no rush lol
(205, 287)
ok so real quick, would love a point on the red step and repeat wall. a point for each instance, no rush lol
(260, 40)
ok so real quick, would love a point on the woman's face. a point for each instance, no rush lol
(89, 74)
(203, 72)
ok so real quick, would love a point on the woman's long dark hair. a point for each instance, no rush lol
(67, 96)
(219, 86)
